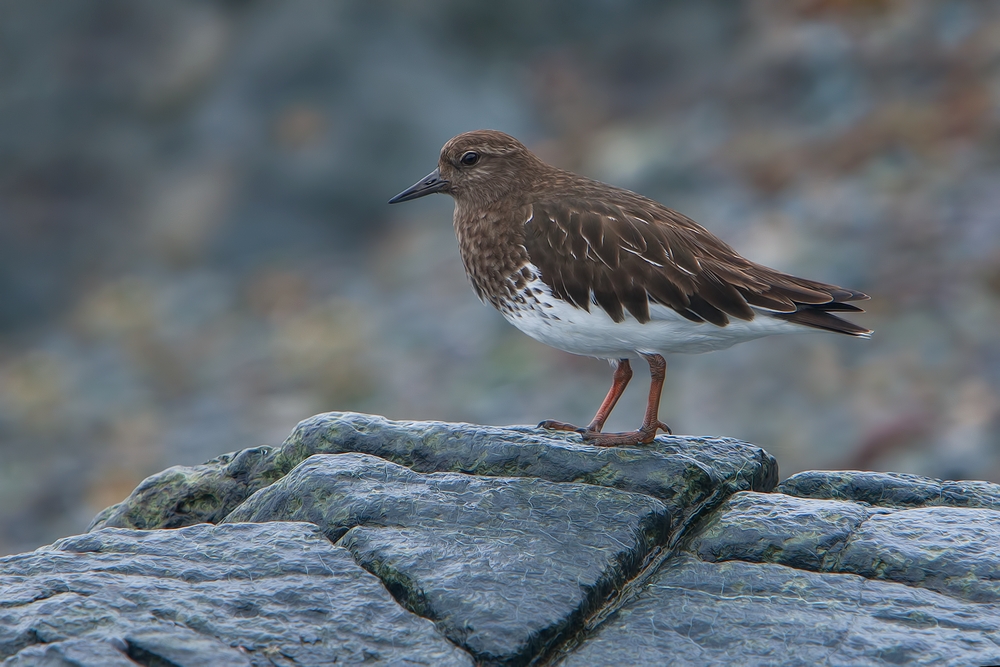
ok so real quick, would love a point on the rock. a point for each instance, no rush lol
(509, 546)
(891, 489)
(777, 579)
(217, 596)
(697, 613)
(186, 495)
(505, 565)
(947, 549)
(72, 653)
(507, 538)
(773, 528)
(684, 472)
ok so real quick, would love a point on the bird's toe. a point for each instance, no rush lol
(553, 425)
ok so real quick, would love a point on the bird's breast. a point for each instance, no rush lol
(494, 257)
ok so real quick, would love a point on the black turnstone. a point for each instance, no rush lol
(600, 271)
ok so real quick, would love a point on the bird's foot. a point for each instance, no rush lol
(592, 436)
(643, 436)
(553, 425)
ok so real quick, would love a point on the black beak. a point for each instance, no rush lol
(427, 185)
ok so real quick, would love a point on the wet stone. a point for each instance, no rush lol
(774, 528)
(212, 596)
(891, 489)
(505, 566)
(71, 653)
(686, 473)
(514, 546)
(947, 549)
(705, 614)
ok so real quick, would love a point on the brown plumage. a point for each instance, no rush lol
(632, 251)
(535, 238)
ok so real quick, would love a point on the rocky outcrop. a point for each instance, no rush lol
(365, 540)
(698, 613)
(682, 472)
(220, 596)
(504, 565)
(776, 579)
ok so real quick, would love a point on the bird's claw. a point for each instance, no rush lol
(553, 425)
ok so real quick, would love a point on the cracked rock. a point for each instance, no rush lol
(891, 489)
(947, 549)
(509, 546)
(697, 613)
(504, 565)
(220, 596)
(775, 528)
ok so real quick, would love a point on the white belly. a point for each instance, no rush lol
(563, 326)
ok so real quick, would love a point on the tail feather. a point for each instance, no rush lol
(838, 307)
(814, 312)
(820, 318)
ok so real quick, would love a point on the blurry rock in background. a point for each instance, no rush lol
(196, 253)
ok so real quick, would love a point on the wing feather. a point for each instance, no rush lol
(622, 257)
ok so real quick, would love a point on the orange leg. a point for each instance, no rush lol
(650, 423)
(623, 373)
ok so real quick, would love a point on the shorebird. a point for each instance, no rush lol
(600, 271)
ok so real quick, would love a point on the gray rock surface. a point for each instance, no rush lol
(683, 472)
(217, 596)
(72, 653)
(508, 539)
(758, 527)
(774, 579)
(891, 489)
(366, 540)
(504, 565)
(947, 549)
(737, 613)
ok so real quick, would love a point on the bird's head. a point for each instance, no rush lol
(477, 168)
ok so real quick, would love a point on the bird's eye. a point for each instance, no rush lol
(470, 158)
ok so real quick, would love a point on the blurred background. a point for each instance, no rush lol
(196, 251)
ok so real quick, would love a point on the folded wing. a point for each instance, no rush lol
(621, 258)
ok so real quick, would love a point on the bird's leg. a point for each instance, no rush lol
(650, 423)
(623, 373)
(657, 374)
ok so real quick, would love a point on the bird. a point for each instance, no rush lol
(597, 270)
